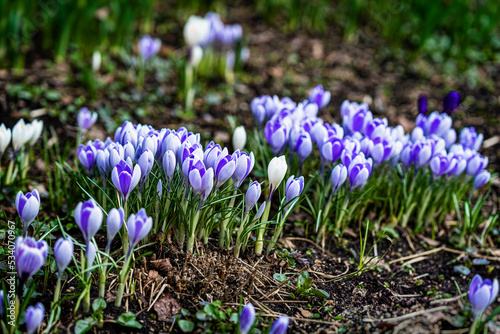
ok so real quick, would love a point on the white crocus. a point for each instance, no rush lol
(196, 30)
(195, 56)
(239, 138)
(276, 172)
(21, 134)
(5, 135)
(36, 131)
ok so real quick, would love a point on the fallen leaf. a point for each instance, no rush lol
(152, 274)
(305, 313)
(162, 265)
(166, 307)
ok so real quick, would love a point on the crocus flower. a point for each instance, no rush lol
(475, 163)
(171, 142)
(63, 252)
(319, 96)
(376, 128)
(481, 294)
(146, 162)
(239, 138)
(469, 138)
(276, 172)
(116, 154)
(196, 30)
(148, 47)
(421, 153)
(450, 137)
(85, 119)
(252, 195)
(441, 164)
(169, 164)
(451, 102)
(87, 156)
(293, 188)
(159, 188)
(382, 149)
(138, 226)
(263, 107)
(244, 165)
(331, 149)
(124, 179)
(355, 116)
(29, 256)
(195, 54)
(280, 325)
(482, 177)
(201, 180)
(21, 134)
(114, 223)
(102, 163)
(27, 207)
(224, 169)
(422, 104)
(247, 318)
(34, 317)
(438, 124)
(276, 134)
(5, 135)
(88, 217)
(358, 174)
(338, 177)
(303, 146)
(36, 131)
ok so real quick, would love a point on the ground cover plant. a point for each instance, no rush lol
(164, 180)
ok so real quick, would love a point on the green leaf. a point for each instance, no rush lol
(84, 325)
(202, 316)
(128, 320)
(279, 277)
(186, 326)
(98, 305)
(320, 293)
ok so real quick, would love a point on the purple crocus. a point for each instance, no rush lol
(331, 149)
(475, 163)
(114, 223)
(252, 195)
(319, 96)
(34, 317)
(276, 134)
(375, 129)
(88, 217)
(469, 138)
(29, 256)
(338, 177)
(85, 119)
(27, 207)
(201, 180)
(146, 162)
(124, 179)
(244, 165)
(87, 155)
(482, 177)
(441, 164)
(169, 164)
(382, 149)
(138, 225)
(63, 252)
(356, 118)
(303, 146)
(148, 47)
(359, 174)
(421, 153)
(481, 294)
(224, 169)
(102, 163)
(438, 124)
(280, 325)
(116, 154)
(247, 318)
(293, 189)
(422, 104)
(451, 102)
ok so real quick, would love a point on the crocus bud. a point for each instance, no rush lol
(114, 223)
(276, 134)
(451, 102)
(21, 134)
(263, 107)
(331, 149)
(280, 325)
(252, 195)
(138, 226)
(338, 177)
(422, 104)
(293, 188)
(196, 30)
(27, 207)
(5, 135)
(63, 252)
(475, 163)
(145, 162)
(224, 169)
(239, 138)
(244, 165)
(36, 131)
(276, 172)
(358, 174)
(29, 256)
(87, 156)
(102, 163)
(85, 119)
(148, 47)
(469, 138)
(159, 188)
(319, 96)
(195, 54)
(88, 217)
(200, 179)
(482, 177)
(116, 154)
(34, 317)
(303, 147)
(96, 61)
(247, 318)
(441, 164)
(124, 179)
(481, 294)
(169, 164)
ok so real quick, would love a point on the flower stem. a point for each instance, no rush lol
(259, 245)
(223, 227)
(57, 292)
(121, 286)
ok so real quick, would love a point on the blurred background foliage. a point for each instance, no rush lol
(456, 33)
